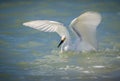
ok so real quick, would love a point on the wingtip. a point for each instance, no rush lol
(93, 13)
(24, 24)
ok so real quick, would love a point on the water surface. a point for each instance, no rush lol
(29, 55)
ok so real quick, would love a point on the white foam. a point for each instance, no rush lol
(98, 66)
(86, 71)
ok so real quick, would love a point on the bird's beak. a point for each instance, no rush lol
(62, 40)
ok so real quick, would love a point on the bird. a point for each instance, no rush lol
(84, 27)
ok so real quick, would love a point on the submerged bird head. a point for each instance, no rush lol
(63, 38)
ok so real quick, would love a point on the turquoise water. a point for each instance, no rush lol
(29, 55)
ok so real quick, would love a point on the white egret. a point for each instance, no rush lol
(84, 26)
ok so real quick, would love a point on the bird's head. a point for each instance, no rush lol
(63, 38)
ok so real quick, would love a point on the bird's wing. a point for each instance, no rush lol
(47, 26)
(85, 27)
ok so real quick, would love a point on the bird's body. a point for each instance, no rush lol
(83, 26)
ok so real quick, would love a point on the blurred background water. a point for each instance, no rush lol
(29, 55)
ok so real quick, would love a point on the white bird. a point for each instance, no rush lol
(84, 27)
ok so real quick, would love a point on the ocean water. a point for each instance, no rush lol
(29, 55)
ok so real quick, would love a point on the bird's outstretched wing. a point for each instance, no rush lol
(47, 26)
(85, 27)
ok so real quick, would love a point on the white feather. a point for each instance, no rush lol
(85, 25)
(47, 26)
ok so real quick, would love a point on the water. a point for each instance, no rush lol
(29, 55)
